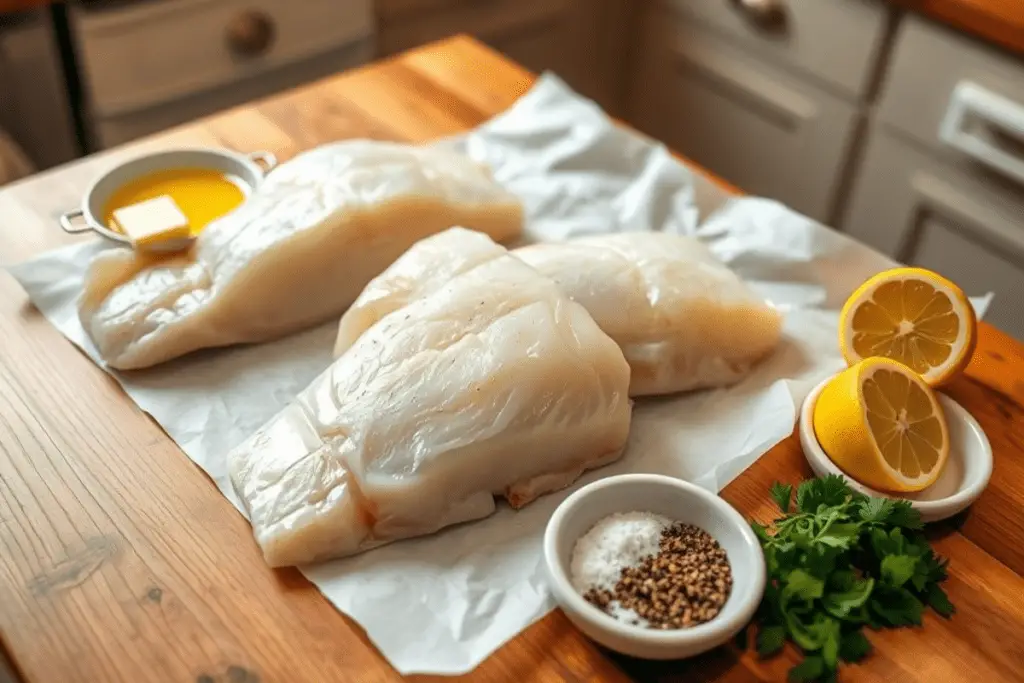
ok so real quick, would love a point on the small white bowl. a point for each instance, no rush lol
(964, 478)
(676, 500)
(248, 169)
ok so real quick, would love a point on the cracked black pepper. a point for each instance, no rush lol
(686, 583)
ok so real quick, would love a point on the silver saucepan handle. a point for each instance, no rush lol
(265, 160)
(67, 222)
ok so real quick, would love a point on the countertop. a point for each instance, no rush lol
(997, 21)
(120, 561)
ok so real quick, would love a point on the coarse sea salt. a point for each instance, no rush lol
(616, 542)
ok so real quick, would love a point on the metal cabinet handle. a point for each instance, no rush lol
(971, 105)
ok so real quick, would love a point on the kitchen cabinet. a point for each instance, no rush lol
(583, 41)
(776, 109)
(34, 106)
(942, 180)
(746, 119)
(926, 212)
(146, 66)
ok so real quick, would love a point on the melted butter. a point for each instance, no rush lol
(202, 194)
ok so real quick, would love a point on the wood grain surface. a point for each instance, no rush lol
(997, 21)
(120, 561)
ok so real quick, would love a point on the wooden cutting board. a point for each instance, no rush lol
(120, 561)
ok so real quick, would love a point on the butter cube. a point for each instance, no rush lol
(153, 220)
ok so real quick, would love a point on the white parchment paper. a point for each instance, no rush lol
(442, 604)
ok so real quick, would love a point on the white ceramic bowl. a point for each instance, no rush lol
(677, 500)
(964, 478)
(249, 169)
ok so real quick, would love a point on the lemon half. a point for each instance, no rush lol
(881, 424)
(914, 316)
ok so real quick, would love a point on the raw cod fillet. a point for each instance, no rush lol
(494, 384)
(296, 253)
(429, 265)
(683, 319)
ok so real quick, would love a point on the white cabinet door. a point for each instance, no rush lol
(833, 42)
(755, 125)
(926, 212)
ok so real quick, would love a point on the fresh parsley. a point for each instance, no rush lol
(839, 561)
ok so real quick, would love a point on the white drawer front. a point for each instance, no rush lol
(141, 55)
(923, 211)
(754, 125)
(933, 71)
(108, 131)
(836, 41)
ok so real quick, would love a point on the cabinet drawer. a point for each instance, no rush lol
(929, 62)
(754, 125)
(923, 211)
(143, 54)
(836, 41)
(108, 131)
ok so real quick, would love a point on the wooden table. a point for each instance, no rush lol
(120, 561)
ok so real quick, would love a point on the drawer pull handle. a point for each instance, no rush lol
(987, 127)
(250, 34)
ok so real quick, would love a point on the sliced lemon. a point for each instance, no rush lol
(914, 316)
(881, 424)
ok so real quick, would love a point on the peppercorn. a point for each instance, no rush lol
(685, 584)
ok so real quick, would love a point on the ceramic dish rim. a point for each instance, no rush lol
(247, 165)
(937, 508)
(715, 630)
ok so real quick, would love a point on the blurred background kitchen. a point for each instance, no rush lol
(900, 122)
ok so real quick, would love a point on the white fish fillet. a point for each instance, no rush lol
(495, 384)
(295, 254)
(683, 319)
(429, 265)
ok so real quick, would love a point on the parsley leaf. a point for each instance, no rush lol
(854, 647)
(842, 535)
(781, 494)
(896, 606)
(830, 639)
(905, 516)
(829, 490)
(876, 510)
(811, 669)
(760, 532)
(939, 601)
(898, 569)
(841, 604)
(770, 640)
(800, 584)
(839, 561)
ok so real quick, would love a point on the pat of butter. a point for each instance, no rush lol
(153, 220)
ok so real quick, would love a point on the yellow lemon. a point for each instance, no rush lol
(881, 424)
(914, 316)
